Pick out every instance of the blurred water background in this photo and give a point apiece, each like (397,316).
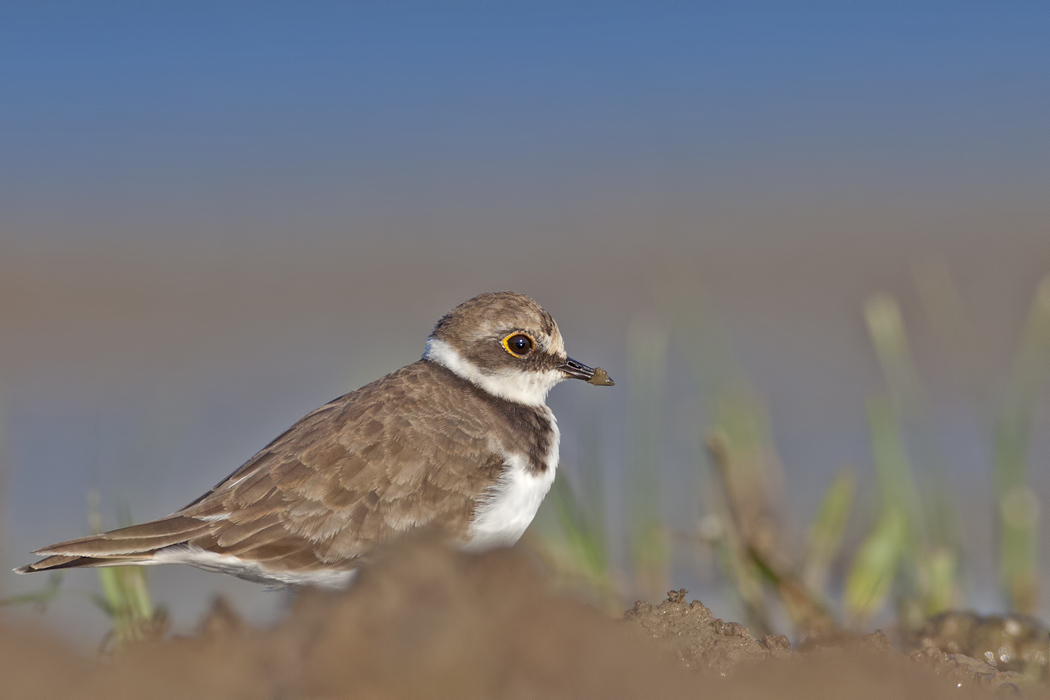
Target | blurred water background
(214,218)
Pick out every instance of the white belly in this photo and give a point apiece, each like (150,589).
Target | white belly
(506,511)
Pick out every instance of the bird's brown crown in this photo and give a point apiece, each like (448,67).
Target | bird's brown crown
(502,331)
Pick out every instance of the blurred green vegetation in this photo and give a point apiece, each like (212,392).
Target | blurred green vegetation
(909,556)
(125,597)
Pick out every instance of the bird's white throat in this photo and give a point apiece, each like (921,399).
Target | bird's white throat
(524,387)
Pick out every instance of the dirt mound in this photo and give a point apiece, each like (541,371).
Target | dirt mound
(699,639)
(427,623)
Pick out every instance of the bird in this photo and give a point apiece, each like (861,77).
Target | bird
(461,441)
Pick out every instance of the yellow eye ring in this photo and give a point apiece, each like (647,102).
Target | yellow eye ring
(519,344)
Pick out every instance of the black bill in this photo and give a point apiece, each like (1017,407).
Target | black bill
(592,375)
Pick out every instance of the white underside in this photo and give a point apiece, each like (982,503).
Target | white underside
(506,511)
(252,571)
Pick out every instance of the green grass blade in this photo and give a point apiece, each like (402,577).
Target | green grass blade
(874,568)
(941,585)
(1018,505)
(125,593)
(897,488)
(826,533)
(886,328)
(584,538)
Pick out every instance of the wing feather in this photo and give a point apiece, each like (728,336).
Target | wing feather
(412,449)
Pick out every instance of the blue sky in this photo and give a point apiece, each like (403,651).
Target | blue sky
(221,117)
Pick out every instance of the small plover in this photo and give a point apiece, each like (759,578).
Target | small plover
(461,441)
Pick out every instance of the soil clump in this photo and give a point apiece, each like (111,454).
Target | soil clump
(428,623)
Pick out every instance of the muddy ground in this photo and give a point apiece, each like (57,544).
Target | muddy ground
(431,624)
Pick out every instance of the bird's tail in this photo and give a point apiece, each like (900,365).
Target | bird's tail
(128,545)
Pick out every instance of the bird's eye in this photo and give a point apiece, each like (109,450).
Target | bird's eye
(518,344)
